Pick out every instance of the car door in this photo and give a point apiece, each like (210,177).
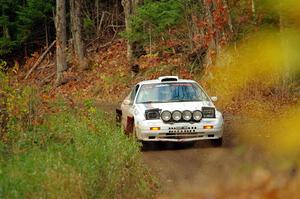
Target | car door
(127,107)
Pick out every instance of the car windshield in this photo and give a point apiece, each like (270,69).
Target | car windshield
(170,92)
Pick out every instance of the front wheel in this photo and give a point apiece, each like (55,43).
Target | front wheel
(217,142)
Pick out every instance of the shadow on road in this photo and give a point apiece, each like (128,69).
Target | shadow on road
(164,146)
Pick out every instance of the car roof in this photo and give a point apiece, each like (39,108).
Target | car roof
(156,81)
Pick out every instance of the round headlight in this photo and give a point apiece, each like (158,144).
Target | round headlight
(197,115)
(176,115)
(187,115)
(166,116)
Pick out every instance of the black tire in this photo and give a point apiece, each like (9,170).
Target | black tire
(118,117)
(145,146)
(217,142)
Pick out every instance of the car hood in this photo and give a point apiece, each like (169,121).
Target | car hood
(181,106)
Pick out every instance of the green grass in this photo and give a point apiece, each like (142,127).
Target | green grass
(75,153)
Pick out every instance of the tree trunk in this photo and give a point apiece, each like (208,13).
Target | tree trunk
(212,44)
(253,9)
(229,16)
(127,5)
(129,10)
(61,37)
(76,27)
(97,16)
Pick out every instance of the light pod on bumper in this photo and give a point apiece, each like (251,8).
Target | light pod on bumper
(176,116)
(197,115)
(187,115)
(166,116)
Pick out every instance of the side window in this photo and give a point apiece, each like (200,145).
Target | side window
(133,93)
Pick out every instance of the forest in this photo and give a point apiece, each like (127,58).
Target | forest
(66,65)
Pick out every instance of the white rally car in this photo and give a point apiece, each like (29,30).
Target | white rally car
(171,109)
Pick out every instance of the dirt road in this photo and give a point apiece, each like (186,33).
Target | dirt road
(184,169)
(187,169)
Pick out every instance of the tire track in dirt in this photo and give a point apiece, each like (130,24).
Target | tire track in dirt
(192,168)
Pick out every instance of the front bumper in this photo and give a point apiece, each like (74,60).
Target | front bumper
(179,132)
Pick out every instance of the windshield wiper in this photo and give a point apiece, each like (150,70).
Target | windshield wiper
(182,100)
(151,101)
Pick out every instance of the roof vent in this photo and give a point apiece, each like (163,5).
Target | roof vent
(168,79)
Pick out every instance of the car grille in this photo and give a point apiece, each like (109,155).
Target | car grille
(181,133)
(182,129)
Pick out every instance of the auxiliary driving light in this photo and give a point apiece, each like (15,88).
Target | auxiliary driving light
(197,115)
(176,115)
(166,116)
(187,115)
(154,128)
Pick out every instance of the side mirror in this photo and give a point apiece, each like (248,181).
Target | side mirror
(214,98)
(126,102)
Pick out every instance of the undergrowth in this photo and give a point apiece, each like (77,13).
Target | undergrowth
(73,153)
